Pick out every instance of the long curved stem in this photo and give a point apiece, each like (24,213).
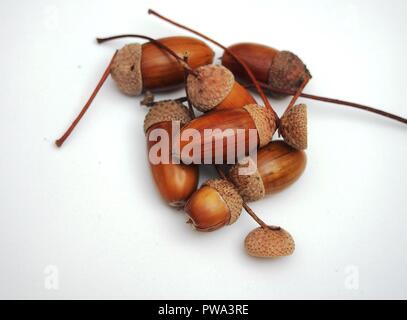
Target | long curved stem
(334,101)
(152,40)
(102,80)
(241,62)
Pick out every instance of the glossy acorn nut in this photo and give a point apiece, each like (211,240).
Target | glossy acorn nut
(140,67)
(280,69)
(228,121)
(214,205)
(175,182)
(278,166)
(214,88)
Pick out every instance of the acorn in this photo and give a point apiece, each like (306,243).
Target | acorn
(269,242)
(214,88)
(278,166)
(228,121)
(216,204)
(175,181)
(293,126)
(280,69)
(140,67)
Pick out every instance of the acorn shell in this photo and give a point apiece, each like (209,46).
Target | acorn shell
(230,195)
(269,243)
(250,186)
(167,110)
(264,121)
(210,87)
(126,69)
(293,126)
(287,71)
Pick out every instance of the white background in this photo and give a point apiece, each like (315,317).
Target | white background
(91,210)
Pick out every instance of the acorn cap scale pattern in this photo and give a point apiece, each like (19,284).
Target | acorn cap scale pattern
(126,69)
(293,127)
(168,110)
(287,71)
(269,243)
(264,121)
(250,186)
(210,87)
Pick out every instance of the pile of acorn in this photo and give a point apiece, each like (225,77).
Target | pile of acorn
(220,93)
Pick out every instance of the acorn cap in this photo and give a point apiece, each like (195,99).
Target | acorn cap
(269,243)
(251,186)
(287,71)
(229,194)
(293,126)
(167,110)
(126,69)
(264,120)
(210,87)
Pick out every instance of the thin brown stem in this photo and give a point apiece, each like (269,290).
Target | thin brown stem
(102,80)
(241,62)
(152,40)
(298,93)
(334,101)
(245,206)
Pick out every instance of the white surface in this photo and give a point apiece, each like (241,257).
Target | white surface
(91,209)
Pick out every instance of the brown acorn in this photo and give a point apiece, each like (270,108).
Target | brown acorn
(270,242)
(278,166)
(175,182)
(280,69)
(213,87)
(141,67)
(214,205)
(227,121)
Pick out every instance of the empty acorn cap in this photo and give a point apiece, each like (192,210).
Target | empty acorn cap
(264,121)
(287,71)
(269,243)
(210,87)
(230,195)
(293,126)
(126,69)
(249,186)
(167,110)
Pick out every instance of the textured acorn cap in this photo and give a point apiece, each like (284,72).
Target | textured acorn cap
(126,69)
(264,121)
(287,71)
(293,126)
(168,110)
(230,195)
(210,87)
(269,243)
(251,186)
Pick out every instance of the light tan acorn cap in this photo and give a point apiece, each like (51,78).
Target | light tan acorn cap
(168,110)
(210,87)
(269,243)
(251,186)
(287,71)
(264,121)
(293,126)
(126,69)
(230,195)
